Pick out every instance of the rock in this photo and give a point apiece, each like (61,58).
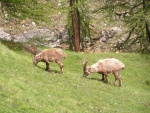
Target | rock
(43,37)
(35,33)
(4,35)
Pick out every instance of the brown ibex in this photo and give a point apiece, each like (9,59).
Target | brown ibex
(50,55)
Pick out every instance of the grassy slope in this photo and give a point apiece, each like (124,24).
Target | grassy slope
(28,89)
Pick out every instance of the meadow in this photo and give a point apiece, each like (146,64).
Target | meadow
(28,89)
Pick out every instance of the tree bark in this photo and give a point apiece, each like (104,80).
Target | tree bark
(147,31)
(146,24)
(75,26)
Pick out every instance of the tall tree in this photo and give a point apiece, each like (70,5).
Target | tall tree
(78,25)
(75,25)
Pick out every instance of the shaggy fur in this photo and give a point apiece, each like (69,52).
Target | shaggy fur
(105,67)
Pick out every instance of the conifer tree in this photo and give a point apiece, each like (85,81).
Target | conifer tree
(136,16)
(78,17)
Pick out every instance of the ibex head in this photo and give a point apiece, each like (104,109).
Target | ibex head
(86,69)
(36,58)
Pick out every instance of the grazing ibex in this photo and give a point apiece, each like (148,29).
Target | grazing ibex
(105,67)
(50,55)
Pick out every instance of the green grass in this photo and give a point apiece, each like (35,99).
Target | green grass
(28,89)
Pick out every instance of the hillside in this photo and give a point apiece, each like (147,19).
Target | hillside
(28,89)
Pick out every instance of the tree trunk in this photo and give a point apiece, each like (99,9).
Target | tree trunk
(147,31)
(146,24)
(75,26)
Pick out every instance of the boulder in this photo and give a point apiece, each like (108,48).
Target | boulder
(4,35)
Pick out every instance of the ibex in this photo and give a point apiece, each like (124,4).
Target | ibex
(105,67)
(50,55)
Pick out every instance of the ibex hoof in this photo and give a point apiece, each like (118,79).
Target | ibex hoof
(47,70)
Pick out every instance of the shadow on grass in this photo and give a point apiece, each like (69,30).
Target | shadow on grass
(15,46)
(98,79)
(102,81)
(51,71)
